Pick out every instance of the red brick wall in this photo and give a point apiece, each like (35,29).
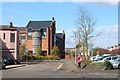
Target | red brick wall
(28,42)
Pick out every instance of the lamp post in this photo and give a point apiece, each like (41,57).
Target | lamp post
(75,53)
(75,50)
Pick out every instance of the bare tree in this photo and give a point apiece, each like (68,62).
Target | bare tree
(84,28)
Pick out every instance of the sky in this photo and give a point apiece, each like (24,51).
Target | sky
(20,13)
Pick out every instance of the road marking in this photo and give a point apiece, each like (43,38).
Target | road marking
(60,67)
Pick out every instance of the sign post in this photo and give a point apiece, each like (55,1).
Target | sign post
(26,55)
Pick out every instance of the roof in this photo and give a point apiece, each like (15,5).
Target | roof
(21,28)
(7,27)
(59,35)
(115,51)
(4,26)
(38,24)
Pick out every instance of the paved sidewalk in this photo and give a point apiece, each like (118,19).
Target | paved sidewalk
(69,65)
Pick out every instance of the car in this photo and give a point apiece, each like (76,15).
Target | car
(115,64)
(99,58)
(16,61)
(114,60)
(109,58)
(10,61)
(2,63)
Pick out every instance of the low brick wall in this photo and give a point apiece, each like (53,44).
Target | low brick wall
(68,57)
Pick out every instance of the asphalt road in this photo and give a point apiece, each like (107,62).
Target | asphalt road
(49,70)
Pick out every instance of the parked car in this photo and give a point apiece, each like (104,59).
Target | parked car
(99,58)
(116,64)
(10,61)
(16,61)
(108,58)
(2,63)
(114,60)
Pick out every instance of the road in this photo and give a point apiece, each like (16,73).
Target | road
(49,70)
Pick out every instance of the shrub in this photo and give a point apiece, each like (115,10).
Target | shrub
(83,57)
(37,56)
(52,57)
(73,52)
(42,57)
(103,65)
(39,50)
(33,58)
(22,49)
(47,57)
(67,52)
(55,50)
(55,57)
(108,65)
(26,57)
(86,62)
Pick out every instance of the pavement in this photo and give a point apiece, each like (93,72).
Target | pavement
(69,65)
(50,70)
(14,66)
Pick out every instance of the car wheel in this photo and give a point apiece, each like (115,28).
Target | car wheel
(119,66)
(15,62)
(3,67)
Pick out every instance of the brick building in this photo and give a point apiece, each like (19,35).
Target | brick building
(42,33)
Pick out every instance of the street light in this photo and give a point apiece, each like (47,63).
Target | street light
(75,51)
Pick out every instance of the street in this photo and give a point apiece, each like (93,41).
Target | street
(49,70)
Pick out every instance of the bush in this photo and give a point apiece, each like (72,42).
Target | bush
(47,57)
(67,52)
(108,65)
(55,57)
(103,65)
(37,56)
(51,57)
(25,57)
(42,57)
(55,50)
(73,52)
(86,62)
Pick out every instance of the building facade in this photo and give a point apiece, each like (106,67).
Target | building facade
(42,33)
(114,49)
(9,41)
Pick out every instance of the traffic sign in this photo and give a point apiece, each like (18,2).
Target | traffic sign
(26,51)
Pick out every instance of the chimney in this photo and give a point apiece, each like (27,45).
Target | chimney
(11,24)
(63,32)
(53,18)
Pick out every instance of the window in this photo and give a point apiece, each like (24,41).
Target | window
(4,36)
(114,58)
(108,58)
(29,34)
(55,40)
(12,37)
(23,38)
(43,33)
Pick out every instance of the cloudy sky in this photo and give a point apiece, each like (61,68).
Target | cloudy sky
(106,13)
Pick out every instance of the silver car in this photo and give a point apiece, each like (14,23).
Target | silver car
(115,64)
(114,60)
